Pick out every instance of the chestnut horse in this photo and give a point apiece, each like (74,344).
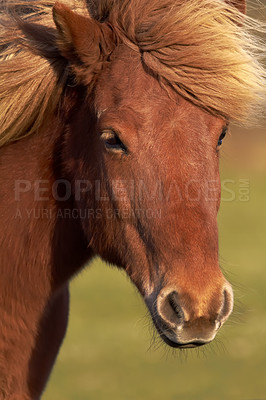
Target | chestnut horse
(112,116)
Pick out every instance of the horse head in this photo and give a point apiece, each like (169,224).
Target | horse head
(151,156)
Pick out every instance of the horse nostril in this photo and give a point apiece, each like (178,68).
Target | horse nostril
(173,301)
(170,309)
(227,305)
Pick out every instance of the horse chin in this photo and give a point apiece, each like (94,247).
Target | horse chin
(180,345)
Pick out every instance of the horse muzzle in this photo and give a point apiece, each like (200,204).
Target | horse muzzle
(183,322)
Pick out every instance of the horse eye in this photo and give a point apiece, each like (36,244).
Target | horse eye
(222,136)
(112,142)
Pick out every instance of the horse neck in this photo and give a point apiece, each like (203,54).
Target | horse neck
(38,240)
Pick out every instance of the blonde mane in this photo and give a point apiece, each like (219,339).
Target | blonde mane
(205,49)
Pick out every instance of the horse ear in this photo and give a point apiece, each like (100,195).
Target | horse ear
(239,4)
(86,43)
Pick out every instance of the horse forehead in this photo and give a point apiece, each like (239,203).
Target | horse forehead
(125,82)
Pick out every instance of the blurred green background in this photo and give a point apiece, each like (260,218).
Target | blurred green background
(111,351)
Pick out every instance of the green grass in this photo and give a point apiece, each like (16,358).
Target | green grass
(106,352)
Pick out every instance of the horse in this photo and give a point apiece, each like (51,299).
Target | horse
(113,113)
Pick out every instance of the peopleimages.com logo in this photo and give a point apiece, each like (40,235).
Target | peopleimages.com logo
(191,191)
